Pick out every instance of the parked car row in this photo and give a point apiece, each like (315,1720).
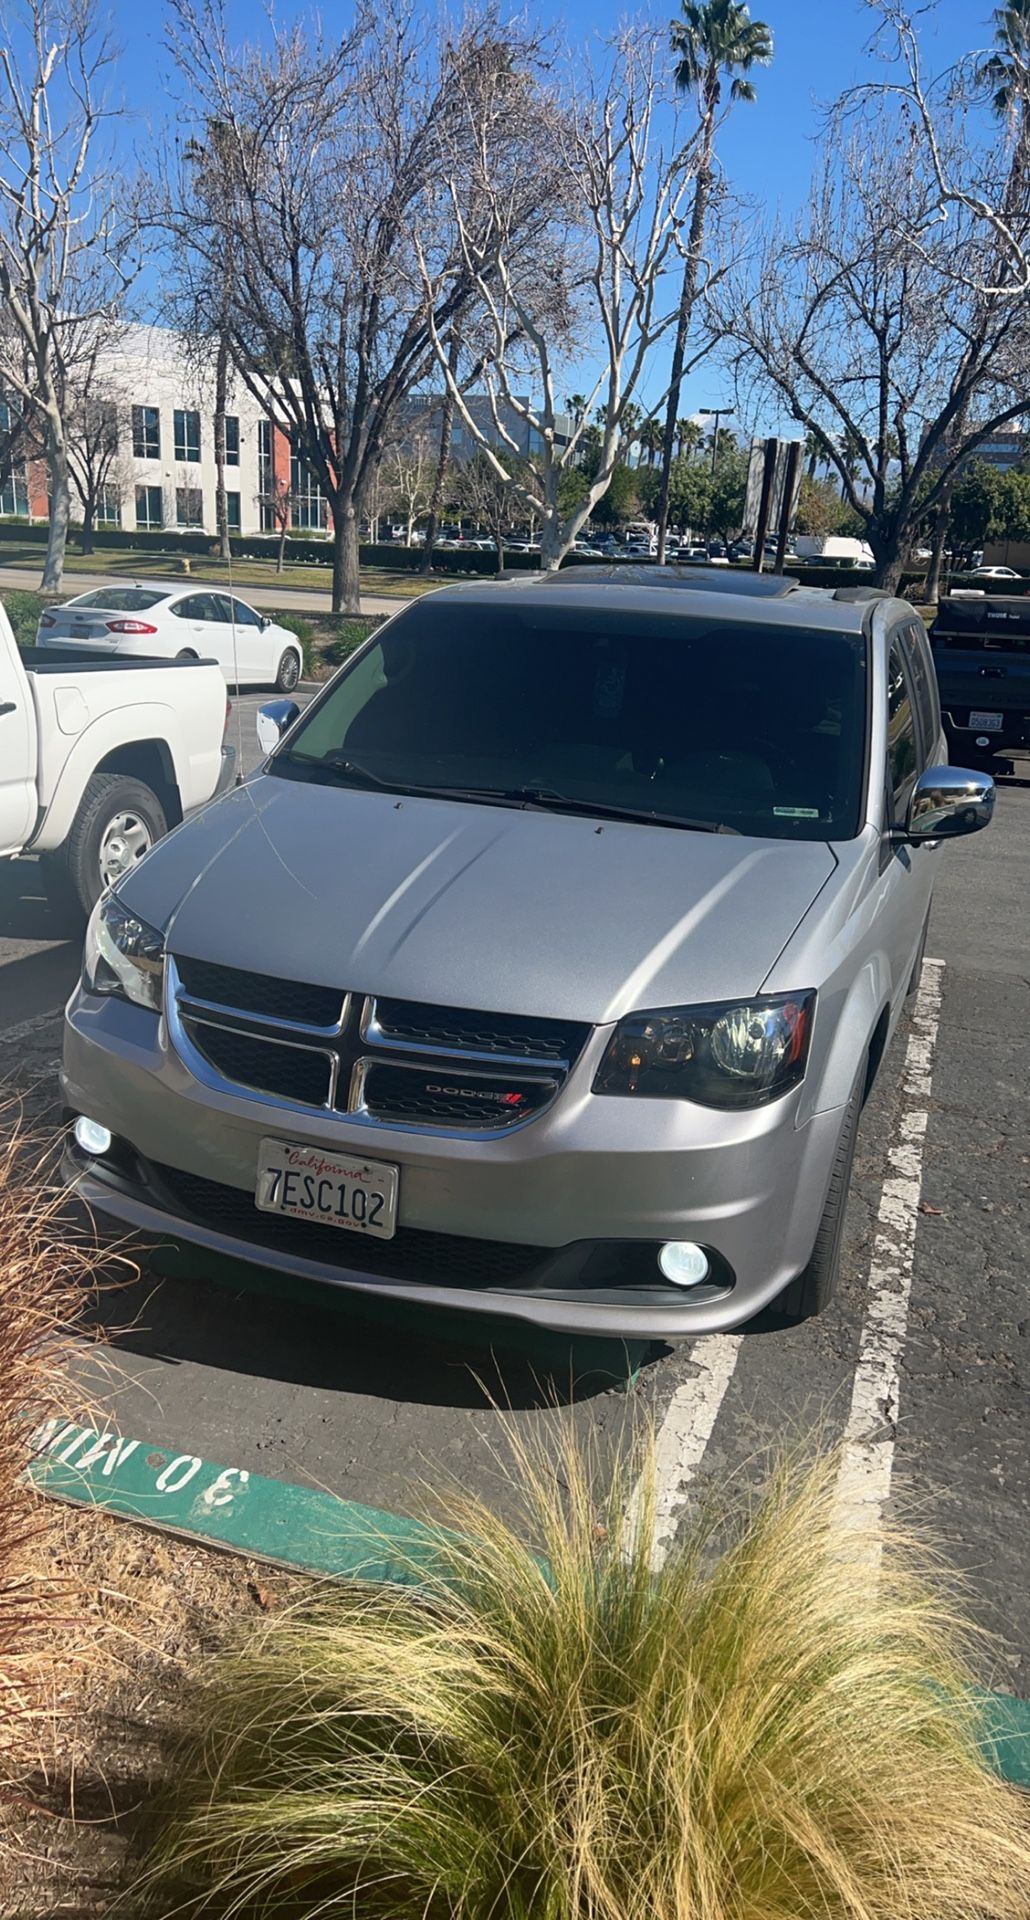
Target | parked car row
(543,968)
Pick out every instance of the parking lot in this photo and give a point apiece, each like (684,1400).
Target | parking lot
(923,1365)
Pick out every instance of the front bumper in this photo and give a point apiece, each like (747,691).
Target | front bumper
(556,1222)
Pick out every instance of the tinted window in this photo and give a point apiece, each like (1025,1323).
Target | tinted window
(924,685)
(119,599)
(245,616)
(902,755)
(196,606)
(758,728)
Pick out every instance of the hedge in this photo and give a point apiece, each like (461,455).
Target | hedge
(450,560)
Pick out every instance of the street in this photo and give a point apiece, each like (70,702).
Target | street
(317,1394)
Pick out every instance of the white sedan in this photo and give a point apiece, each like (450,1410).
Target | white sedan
(180,622)
(996,573)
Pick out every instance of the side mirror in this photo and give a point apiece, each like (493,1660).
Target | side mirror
(275,720)
(263,621)
(947,801)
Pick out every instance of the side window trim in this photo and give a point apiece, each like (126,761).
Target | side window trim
(920,678)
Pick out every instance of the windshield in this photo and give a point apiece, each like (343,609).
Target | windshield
(757,729)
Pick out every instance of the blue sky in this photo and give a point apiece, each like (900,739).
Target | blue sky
(767,149)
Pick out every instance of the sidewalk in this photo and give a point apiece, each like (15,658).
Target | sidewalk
(297,599)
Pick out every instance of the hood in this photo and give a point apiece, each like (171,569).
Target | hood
(480,906)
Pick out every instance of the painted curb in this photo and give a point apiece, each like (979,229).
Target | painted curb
(246,1513)
(312,1532)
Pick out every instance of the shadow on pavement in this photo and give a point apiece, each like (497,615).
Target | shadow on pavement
(244,1320)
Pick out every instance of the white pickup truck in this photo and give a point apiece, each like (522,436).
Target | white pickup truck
(99,758)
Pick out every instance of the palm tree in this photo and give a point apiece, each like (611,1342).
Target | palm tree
(576,404)
(688,438)
(651,438)
(714,39)
(1007,70)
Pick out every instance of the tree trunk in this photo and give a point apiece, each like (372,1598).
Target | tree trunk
(280,558)
(86,537)
(346,560)
(442,460)
(60,508)
(889,552)
(221,391)
(679,351)
(937,544)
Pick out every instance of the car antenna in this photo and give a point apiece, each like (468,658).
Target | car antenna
(235,664)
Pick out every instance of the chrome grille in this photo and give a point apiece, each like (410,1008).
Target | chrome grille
(382,1063)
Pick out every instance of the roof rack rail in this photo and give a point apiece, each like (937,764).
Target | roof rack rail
(853,595)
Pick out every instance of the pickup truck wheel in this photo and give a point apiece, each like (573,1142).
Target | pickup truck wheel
(815,1287)
(288,672)
(117,823)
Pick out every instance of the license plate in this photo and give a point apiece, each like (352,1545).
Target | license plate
(985,722)
(329,1189)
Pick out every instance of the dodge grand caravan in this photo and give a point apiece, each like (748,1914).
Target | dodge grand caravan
(542,969)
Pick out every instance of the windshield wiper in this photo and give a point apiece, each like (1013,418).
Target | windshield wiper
(550,798)
(340,767)
(349,772)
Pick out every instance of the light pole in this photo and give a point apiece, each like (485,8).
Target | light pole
(716,414)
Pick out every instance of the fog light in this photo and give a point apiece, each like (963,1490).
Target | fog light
(91,1137)
(685,1264)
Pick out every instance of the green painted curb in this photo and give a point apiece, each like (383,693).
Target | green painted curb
(294,1526)
(313,1532)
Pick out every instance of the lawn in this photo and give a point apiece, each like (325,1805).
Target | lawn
(245,573)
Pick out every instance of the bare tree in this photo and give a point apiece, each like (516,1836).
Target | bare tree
(277,502)
(408,472)
(63,242)
(323,172)
(969,180)
(860,326)
(491,497)
(617,210)
(94,431)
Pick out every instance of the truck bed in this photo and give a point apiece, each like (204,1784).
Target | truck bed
(57,659)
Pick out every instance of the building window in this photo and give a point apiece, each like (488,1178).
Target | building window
(149,512)
(109,505)
(232,440)
(146,433)
(189,507)
(232,511)
(308,506)
(14,498)
(265,470)
(187,435)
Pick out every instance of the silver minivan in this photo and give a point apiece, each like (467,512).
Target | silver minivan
(542,969)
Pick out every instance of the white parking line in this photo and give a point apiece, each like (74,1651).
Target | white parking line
(864,1484)
(683,1436)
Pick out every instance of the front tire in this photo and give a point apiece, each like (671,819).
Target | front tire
(288,672)
(815,1287)
(118,821)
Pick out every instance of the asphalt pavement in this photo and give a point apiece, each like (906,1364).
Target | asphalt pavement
(935,1418)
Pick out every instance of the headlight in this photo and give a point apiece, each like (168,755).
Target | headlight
(123,955)
(737,1054)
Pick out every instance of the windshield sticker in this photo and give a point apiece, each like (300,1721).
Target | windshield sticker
(796,813)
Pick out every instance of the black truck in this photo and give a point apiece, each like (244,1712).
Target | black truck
(981,649)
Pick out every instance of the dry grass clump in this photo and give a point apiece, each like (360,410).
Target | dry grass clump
(547,1729)
(48,1272)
